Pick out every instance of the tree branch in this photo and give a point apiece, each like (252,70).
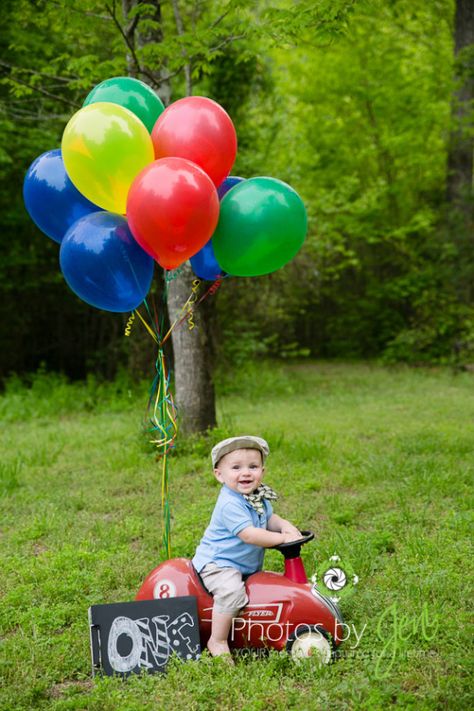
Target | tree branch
(80,12)
(232,38)
(66,80)
(180,30)
(20,115)
(126,35)
(220,18)
(39,90)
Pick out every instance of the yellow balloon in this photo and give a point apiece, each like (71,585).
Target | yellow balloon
(104,147)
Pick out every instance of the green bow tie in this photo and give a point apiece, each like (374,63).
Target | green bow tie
(256,498)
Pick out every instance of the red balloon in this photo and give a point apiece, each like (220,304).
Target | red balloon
(200,130)
(172,210)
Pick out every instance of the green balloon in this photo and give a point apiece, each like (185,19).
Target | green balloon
(132,94)
(262,225)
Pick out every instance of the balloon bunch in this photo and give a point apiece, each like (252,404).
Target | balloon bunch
(134,182)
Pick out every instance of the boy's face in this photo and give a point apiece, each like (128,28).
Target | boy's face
(241,470)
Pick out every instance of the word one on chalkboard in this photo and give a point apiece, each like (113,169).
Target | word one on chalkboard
(131,637)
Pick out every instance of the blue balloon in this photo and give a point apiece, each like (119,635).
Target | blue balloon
(104,265)
(52,201)
(204,262)
(228,184)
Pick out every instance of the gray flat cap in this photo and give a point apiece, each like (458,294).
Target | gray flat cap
(244,442)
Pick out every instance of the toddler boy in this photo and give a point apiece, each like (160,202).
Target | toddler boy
(241,526)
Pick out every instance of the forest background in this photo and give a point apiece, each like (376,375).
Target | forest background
(359,105)
(365,108)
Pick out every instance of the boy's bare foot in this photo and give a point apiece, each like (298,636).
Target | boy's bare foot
(218,648)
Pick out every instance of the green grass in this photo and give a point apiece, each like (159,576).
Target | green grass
(377,462)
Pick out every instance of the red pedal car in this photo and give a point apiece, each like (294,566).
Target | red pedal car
(284,610)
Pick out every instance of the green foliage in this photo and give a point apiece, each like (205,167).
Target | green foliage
(9,472)
(359,127)
(46,394)
(349,102)
(426,340)
(376,461)
(310,21)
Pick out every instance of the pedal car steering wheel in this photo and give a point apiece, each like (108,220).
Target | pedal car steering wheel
(292,548)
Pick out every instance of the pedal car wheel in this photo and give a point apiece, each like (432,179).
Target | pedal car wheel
(310,642)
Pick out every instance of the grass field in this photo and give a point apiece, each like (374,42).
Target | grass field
(378,462)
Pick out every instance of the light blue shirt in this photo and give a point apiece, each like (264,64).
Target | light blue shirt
(221,544)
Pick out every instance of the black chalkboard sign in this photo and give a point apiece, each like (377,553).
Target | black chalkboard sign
(131,637)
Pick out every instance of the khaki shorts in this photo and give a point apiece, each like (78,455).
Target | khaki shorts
(227,588)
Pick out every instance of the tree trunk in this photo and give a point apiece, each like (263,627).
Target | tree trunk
(193,359)
(460,157)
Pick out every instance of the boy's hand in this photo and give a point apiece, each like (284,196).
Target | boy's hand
(288,529)
(291,537)
(284,527)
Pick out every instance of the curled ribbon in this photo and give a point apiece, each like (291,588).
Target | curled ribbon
(192,300)
(185,311)
(128,327)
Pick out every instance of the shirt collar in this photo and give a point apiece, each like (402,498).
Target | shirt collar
(227,491)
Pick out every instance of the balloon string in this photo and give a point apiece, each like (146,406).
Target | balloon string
(161,415)
(166,508)
(162,423)
(152,333)
(185,313)
(186,309)
(163,418)
(191,305)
